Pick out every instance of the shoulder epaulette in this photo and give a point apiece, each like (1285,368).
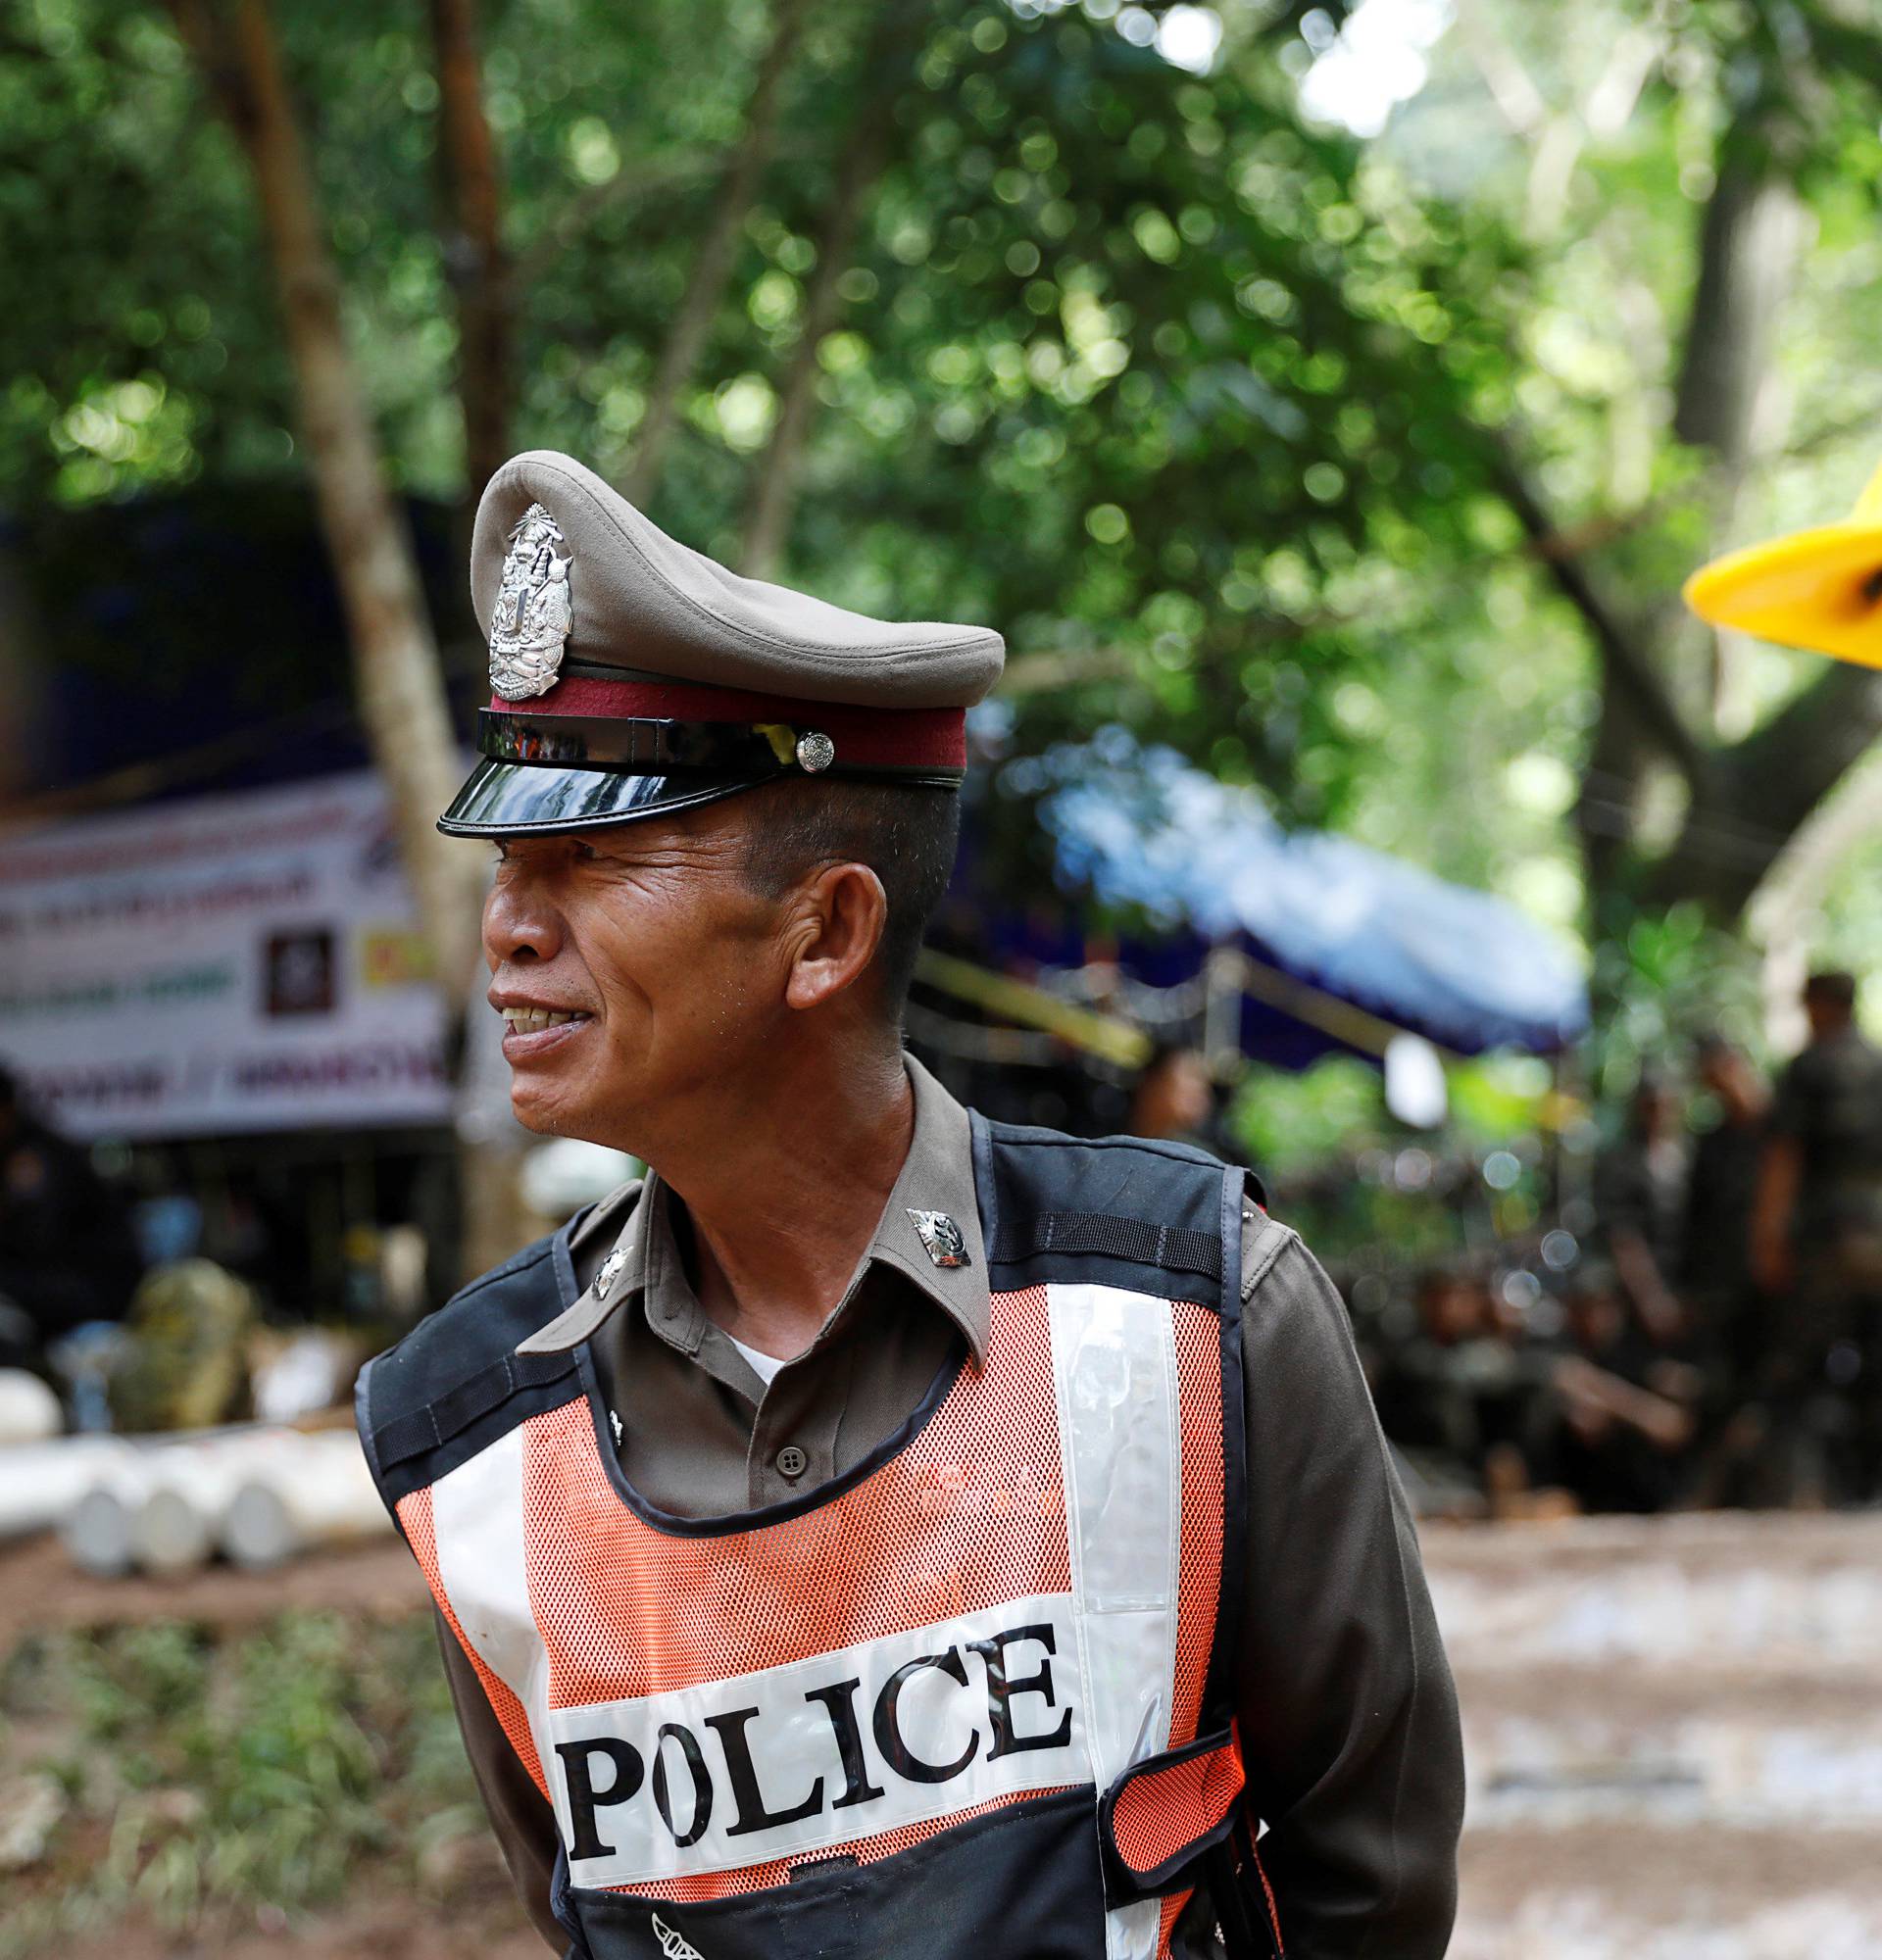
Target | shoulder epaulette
(1112,1210)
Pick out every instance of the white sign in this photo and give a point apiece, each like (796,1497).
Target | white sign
(229,965)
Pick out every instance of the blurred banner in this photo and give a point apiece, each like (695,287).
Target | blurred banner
(231,964)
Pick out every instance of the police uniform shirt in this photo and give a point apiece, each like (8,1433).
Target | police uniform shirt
(1348,1717)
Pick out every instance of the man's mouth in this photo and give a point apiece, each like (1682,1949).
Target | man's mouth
(532,1020)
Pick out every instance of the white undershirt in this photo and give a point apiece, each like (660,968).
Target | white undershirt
(763,1366)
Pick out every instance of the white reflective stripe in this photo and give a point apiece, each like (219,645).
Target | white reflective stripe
(1113,1363)
(476,1522)
(1130,1931)
(904,1729)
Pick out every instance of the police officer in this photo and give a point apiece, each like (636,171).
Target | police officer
(880,1530)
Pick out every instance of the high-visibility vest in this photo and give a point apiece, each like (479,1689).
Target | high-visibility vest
(972,1699)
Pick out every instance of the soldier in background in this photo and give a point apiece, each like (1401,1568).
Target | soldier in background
(1715,1258)
(1640,1190)
(1817,1246)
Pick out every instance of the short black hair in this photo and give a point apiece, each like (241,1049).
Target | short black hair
(1833,987)
(907,834)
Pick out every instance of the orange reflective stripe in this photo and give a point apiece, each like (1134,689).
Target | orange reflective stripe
(1172,1911)
(1199,1373)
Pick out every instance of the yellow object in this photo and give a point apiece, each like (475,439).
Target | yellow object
(1821,589)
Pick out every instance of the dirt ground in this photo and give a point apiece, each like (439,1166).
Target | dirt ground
(1674,1729)
(1674,1732)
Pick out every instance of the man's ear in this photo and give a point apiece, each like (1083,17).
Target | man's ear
(844,915)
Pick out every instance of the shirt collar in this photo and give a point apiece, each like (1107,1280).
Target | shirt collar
(936,1181)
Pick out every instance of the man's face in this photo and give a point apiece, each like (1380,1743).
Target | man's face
(670,968)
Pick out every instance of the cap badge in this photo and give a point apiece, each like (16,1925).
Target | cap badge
(816,751)
(941,1236)
(530,627)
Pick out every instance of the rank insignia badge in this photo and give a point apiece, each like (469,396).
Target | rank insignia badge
(941,1236)
(529,626)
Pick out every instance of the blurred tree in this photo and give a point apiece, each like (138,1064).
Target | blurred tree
(712,267)
(472,231)
(1363,469)
(398,682)
(395,659)
(1698,187)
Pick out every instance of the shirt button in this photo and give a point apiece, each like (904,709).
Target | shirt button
(792,1462)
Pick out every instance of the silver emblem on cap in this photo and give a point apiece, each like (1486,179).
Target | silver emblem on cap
(941,1236)
(610,1272)
(816,751)
(529,626)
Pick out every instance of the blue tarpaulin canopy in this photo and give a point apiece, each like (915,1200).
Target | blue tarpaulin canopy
(1466,970)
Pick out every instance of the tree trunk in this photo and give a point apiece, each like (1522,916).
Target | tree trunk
(713,268)
(473,255)
(1747,796)
(398,680)
(767,522)
(1749,240)
(885,68)
(395,661)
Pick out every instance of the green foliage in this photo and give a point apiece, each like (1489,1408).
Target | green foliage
(1668,978)
(1184,391)
(221,1775)
(1289,1123)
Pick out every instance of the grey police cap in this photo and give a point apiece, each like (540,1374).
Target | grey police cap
(631,674)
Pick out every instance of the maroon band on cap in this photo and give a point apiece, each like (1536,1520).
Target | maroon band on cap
(886,738)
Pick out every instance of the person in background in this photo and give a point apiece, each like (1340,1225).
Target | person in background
(1463,1399)
(1721,1193)
(1427,1390)
(1626,1411)
(1816,1245)
(1174,1099)
(66,1252)
(1640,1189)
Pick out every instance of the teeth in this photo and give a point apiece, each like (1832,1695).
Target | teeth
(528,1020)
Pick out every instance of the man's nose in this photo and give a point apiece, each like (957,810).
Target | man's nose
(517,924)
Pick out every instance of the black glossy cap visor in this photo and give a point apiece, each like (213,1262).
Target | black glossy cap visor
(515,798)
(550,772)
